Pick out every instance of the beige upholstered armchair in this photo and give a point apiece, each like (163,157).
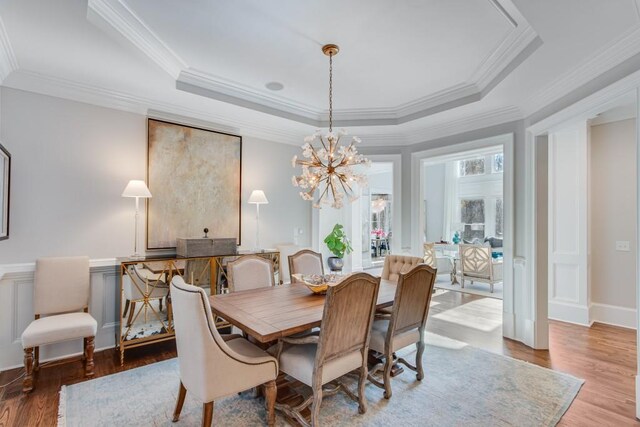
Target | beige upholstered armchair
(305,262)
(213,366)
(441,263)
(405,325)
(61,305)
(340,347)
(476,264)
(396,264)
(250,272)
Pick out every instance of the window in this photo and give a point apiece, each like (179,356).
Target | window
(471,167)
(499,218)
(472,217)
(498,163)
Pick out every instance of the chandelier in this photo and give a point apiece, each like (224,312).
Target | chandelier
(329,167)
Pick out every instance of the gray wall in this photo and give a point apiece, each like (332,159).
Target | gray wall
(71,161)
(434,176)
(613,213)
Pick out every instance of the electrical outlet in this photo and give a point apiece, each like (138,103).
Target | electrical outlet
(622,246)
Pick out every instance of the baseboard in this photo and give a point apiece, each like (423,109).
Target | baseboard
(613,315)
(569,313)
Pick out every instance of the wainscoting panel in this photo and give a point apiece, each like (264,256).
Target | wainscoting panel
(16,312)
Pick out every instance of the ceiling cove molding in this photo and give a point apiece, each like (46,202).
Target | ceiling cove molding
(67,89)
(8,61)
(466,124)
(115,14)
(616,52)
(519,43)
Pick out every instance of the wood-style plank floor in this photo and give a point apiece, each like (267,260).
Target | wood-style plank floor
(602,355)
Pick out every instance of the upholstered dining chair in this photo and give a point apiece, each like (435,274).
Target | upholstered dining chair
(305,261)
(477,264)
(250,272)
(396,264)
(441,263)
(211,365)
(405,325)
(341,346)
(61,295)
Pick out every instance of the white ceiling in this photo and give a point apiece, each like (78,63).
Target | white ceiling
(407,71)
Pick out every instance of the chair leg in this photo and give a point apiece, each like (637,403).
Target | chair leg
(388,364)
(126,308)
(182,393)
(207,414)
(132,309)
(27,383)
(36,362)
(362,402)
(462,282)
(419,353)
(491,287)
(88,352)
(270,392)
(315,406)
(160,304)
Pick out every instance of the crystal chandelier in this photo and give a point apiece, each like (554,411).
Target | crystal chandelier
(328,168)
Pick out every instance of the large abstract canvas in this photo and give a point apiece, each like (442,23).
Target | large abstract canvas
(194,178)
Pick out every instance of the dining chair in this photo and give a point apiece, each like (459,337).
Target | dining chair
(250,272)
(305,261)
(405,325)
(477,264)
(441,263)
(341,346)
(61,295)
(213,366)
(396,264)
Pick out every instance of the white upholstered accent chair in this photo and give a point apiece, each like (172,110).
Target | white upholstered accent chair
(61,305)
(396,264)
(405,325)
(250,272)
(441,263)
(477,264)
(340,347)
(305,262)
(214,366)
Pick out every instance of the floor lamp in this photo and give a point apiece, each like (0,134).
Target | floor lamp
(258,198)
(138,189)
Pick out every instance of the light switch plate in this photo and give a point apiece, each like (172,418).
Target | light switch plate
(623,246)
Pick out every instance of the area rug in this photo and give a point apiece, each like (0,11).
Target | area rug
(477,288)
(463,386)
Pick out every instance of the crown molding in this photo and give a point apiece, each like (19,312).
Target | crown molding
(466,124)
(518,44)
(118,16)
(611,55)
(8,61)
(62,88)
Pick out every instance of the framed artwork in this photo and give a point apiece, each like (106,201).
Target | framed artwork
(5,186)
(194,176)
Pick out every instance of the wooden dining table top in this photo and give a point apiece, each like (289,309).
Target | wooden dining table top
(280,311)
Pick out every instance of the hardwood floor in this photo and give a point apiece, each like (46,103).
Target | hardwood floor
(604,356)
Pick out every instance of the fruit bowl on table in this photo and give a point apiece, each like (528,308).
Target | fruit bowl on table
(318,283)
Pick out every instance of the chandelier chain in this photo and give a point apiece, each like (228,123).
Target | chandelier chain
(330,92)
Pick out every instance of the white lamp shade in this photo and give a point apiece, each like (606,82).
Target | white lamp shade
(257,197)
(136,188)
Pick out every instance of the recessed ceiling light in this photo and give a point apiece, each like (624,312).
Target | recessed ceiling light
(274,86)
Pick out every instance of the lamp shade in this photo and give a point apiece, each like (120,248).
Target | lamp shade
(257,197)
(136,188)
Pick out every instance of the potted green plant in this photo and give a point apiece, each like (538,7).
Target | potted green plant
(338,244)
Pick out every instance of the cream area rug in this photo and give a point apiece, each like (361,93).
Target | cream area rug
(463,386)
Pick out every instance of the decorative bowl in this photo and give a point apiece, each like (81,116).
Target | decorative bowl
(318,284)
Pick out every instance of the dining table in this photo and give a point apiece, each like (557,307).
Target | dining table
(274,312)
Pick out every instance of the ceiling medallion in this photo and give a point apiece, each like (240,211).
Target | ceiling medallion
(329,168)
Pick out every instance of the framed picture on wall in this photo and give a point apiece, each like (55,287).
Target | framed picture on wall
(5,185)
(194,176)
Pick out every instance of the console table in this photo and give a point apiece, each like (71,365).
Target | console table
(145,301)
